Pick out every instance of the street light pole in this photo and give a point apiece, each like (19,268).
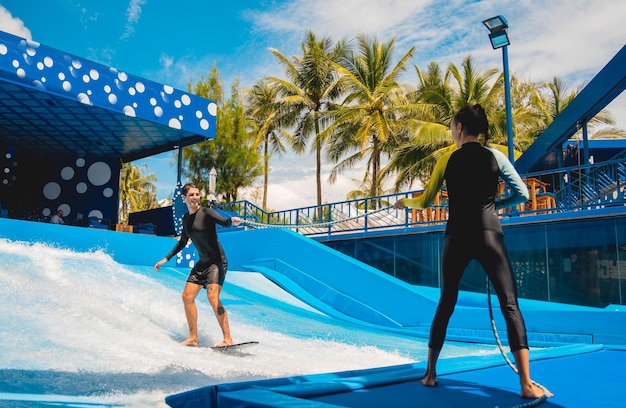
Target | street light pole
(507,100)
(498,35)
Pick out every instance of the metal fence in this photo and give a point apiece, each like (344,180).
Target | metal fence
(576,188)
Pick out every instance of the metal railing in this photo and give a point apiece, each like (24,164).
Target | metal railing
(575,188)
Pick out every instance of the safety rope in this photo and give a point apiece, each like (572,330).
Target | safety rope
(315,225)
(529,404)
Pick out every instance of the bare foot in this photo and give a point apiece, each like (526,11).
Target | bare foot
(534,391)
(429,382)
(223,344)
(190,343)
(430,378)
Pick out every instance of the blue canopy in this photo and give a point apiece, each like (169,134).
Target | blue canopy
(54,102)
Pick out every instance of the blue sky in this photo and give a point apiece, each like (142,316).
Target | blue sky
(175,42)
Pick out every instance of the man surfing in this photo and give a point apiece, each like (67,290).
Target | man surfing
(199,225)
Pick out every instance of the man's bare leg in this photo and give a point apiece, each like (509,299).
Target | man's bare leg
(213,294)
(191,312)
(529,390)
(430,377)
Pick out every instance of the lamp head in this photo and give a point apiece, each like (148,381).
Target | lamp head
(499,39)
(498,34)
(496,23)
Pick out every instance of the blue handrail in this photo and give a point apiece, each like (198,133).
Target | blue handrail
(574,188)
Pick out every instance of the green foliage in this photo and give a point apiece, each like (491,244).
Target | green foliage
(137,192)
(233,152)
(266,118)
(310,88)
(376,114)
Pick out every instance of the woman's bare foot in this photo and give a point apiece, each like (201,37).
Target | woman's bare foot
(533,391)
(190,343)
(430,378)
(429,382)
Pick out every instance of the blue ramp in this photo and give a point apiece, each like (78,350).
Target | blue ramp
(350,290)
(328,279)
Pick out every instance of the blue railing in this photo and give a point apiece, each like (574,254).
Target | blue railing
(576,188)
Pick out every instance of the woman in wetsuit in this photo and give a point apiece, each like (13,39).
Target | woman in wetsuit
(210,270)
(473,231)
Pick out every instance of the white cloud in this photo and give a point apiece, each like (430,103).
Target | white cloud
(166,62)
(86,18)
(339,19)
(300,191)
(132,17)
(13,25)
(575,46)
(571,38)
(104,56)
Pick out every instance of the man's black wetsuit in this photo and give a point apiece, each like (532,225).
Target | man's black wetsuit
(200,227)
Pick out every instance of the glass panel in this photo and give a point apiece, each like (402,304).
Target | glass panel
(620,274)
(527,250)
(582,253)
(377,252)
(579,262)
(418,258)
(345,247)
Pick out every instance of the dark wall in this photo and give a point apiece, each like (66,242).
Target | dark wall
(161,218)
(33,188)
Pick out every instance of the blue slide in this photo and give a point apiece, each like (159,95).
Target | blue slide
(343,287)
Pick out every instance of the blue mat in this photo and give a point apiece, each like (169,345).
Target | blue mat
(579,376)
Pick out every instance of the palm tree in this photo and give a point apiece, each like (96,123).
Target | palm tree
(472,85)
(262,112)
(435,89)
(310,87)
(376,116)
(137,192)
(549,99)
(413,158)
(364,191)
(447,93)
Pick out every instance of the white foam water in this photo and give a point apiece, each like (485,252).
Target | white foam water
(78,328)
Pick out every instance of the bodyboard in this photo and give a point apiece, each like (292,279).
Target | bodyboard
(235,346)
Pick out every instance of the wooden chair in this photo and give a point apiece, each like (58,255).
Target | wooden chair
(438,211)
(424,215)
(546,203)
(502,191)
(541,201)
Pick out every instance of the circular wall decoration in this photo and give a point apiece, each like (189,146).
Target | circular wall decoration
(81,188)
(99,173)
(52,190)
(67,173)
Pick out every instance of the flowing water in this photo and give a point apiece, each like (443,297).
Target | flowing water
(79,329)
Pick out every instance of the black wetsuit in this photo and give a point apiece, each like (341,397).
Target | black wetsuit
(473,231)
(200,227)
